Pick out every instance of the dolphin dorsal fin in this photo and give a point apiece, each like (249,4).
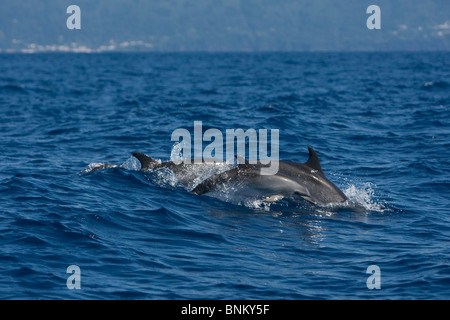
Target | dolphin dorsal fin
(146,161)
(313,160)
(241,160)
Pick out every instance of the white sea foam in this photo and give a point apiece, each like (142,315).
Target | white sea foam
(165,178)
(364,195)
(197,172)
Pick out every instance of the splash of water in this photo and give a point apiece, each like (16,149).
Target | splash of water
(197,172)
(176,154)
(131,163)
(163,177)
(364,196)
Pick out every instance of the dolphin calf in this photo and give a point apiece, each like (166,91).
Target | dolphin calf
(188,174)
(306,180)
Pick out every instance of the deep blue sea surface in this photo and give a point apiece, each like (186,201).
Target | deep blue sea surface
(380,123)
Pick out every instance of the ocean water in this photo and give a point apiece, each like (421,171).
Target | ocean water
(380,123)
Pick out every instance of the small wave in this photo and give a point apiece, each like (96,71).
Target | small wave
(429,85)
(11,88)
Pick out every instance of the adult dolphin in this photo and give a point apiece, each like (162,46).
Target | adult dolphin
(304,179)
